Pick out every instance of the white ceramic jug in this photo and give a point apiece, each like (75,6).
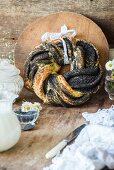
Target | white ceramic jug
(10,78)
(10,129)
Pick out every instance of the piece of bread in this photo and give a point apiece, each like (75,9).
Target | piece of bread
(84,74)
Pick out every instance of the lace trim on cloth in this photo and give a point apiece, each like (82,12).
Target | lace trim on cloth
(103,117)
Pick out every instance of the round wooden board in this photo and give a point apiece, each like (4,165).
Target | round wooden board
(86,29)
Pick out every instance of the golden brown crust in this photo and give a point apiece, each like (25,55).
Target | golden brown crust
(41,76)
(28,84)
(64,84)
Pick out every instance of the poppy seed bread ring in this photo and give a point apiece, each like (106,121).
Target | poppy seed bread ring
(74,87)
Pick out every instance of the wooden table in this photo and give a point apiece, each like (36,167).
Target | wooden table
(53,125)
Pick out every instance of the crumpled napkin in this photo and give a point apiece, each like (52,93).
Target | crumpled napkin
(93,149)
(97,138)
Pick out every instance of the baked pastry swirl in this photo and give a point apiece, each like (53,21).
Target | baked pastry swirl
(71,88)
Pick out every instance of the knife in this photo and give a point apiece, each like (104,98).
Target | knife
(53,152)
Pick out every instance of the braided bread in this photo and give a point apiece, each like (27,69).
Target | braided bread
(71,88)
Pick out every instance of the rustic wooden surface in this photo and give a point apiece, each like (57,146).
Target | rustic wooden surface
(16,14)
(86,29)
(53,125)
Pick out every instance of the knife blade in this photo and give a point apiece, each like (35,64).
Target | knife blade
(53,152)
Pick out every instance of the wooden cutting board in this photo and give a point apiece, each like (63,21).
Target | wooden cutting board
(86,29)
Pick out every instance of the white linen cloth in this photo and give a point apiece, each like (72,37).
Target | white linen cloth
(93,149)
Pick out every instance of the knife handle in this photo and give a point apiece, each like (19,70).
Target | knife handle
(53,152)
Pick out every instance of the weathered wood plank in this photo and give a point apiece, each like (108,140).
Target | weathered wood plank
(16,14)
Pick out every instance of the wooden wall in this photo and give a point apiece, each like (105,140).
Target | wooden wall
(16,14)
